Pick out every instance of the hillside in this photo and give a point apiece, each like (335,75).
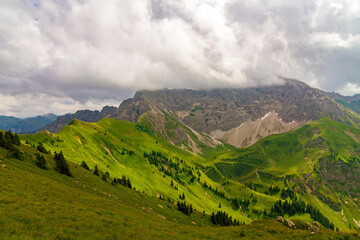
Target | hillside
(26,125)
(354,105)
(296,162)
(41,203)
(351,102)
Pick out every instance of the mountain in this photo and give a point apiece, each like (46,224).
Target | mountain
(354,105)
(239,117)
(26,125)
(84,115)
(351,102)
(347,99)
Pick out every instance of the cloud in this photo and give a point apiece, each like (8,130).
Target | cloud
(78,52)
(25,105)
(351,89)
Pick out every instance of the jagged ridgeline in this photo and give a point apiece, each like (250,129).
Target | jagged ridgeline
(203,158)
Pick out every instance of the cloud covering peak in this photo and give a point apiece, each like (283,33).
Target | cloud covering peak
(88,53)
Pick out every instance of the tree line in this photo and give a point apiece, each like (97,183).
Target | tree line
(11,142)
(185,208)
(223,219)
(272,190)
(300,207)
(105,176)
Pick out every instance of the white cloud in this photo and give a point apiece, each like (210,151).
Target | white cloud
(350,89)
(100,51)
(334,40)
(25,105)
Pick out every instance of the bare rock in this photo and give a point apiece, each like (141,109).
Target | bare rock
(290,224)
(280,219)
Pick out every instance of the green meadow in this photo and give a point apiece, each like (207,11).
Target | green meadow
(40,203)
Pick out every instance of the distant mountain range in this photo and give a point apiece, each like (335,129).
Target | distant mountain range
(351,102)
(83,115)
(26,125)
(348,99)
(238,116)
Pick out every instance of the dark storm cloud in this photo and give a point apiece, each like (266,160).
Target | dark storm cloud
(88,53)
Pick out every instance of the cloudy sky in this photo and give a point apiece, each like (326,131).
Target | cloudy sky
(62,55)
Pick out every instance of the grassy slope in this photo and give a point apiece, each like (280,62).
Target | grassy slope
(295,152)
(102,143)
(354,106)
(290,153)
(42,204)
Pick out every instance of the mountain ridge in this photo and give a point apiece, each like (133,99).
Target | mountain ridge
(226,110)
(84,115)
(26,125)
(226,114)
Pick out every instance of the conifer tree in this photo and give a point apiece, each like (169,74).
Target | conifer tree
(40,161)
(41,148)
(96,170)
(1,139)
(61,164)
(84,165)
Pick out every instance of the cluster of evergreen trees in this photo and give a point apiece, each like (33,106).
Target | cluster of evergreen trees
(272,190)
(40,161)
(185,208)
(126,151)
(61,165)
(237,203)
(160,161)
(299,207)
(289,208)
(168,166)
(252,186)
(156,158)
(123,181)
(42,149)
(182,197)
(223,219)
(11,142)
(84,165)
(105,176)
(316,215)
(8,140)
(215,190)
(288,193)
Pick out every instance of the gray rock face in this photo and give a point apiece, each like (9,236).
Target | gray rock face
(224,109)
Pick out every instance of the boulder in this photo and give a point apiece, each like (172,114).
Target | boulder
(290,224)
(280,219)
